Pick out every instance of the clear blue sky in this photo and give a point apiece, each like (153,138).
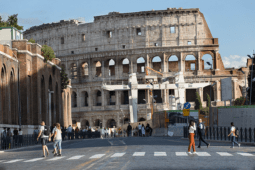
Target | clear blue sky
(232,21)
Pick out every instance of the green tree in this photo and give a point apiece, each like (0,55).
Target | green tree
(239,101)
(64,79)
(208,100)
(47,53)
(12,21)
(31,40)
(198,101)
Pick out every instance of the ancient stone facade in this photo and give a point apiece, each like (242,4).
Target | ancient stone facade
(118,44)
(30,87)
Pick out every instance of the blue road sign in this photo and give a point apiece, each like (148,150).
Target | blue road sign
(187,105)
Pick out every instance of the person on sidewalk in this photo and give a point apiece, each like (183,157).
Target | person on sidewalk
(4,139)
(129,129)
(139,130)
(192,128)
(57,140)
(44,133)
(16,136)
(233,135)
(20,137)
(52,135)
(69,130)
(201,132)
(147,129)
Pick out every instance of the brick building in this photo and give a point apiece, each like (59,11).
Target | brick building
(31,88)
(101,56)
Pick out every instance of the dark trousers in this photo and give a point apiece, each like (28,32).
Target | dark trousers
(140,132)
(201,139)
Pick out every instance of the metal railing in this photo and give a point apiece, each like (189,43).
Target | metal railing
(18,141)
(221,134)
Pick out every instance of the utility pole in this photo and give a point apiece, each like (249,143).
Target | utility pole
(251,74)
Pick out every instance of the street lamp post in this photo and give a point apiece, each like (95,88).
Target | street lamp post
(251,74)
(210,92)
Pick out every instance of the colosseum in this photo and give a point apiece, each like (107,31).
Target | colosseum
(107,61)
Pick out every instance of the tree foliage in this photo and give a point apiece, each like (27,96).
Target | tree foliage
(12,21)
(198,101)
(48,53)
(239,101)
(64,79)
(31,40)
(208,100)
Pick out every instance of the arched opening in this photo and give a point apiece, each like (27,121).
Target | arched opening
(12,93)
(74,99)
(124,97)
(141,97)
(156,63)
(126,120)
(111,67)
(141,119)
(173,64)
(73,71)
(97,122)
(98,97)
(57,103)
(140,65)
(43,100)
(125,64)
(84,124)
(84,69)
(111,98)
(98,69)
(3,99)
(157,96)
(206,61)
(190,63)
(111,123)
(52,114)
(206,94)
(84,99)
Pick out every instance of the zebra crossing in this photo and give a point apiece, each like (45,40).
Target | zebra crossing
(135,154)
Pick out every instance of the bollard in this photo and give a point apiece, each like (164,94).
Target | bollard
(237,136)
(225,133)
(245,134)
(214,133)
(207,131)
(220,133)
(241,132)
(217,133)
(250,134)
(228,133)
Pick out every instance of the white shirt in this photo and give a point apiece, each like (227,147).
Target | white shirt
(20,132)
(58,136)
(53,130)
(139,127)
(42,134)
(192,128)
(201,126)
(232,129)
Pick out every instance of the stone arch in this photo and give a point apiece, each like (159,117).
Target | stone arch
(98,68)
(97,98)
(190,63)
(73,71)
(84,99)
(207,58)
(126,120)
(140,65)
(74,99)
(111,65)
(12,94)
(43,100)
(97,122)
(156,63)
(125,64)
(206,90)
(141,119)
(84,124)
(84,69)
(111,123)
(173,65)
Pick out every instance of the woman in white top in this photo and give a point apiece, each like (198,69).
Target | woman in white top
(233,135)
(192,128)
(57,140)
(143,130)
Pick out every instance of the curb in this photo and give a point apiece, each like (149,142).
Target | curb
(221,141)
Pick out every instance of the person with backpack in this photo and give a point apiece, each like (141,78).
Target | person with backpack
(57,140)
(201,132)
(129,129)
(233,135)
(9,135)
(192,128)
(44,133)
(147,129)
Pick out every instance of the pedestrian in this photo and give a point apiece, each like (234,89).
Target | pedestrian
(57,140)
(129,129)
(52,135)
(105,132)
(233,135)
(44,133)
(16,135)
(143,130)
(201,132)
(76,133)
(192,128)
(20,137)
(4,136)
(140,129)
(69,131)
(8,139)
(147,129)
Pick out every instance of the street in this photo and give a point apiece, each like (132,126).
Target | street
(131,153)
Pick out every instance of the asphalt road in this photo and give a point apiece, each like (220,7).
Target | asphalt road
(132,153)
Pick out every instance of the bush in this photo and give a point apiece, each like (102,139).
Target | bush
(239,101)
(47,53)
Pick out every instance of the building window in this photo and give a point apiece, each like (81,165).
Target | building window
(172,29)
(72,52)
(138,31)
(109,34)
(189,42)
(155,44)
(62,40)
(96,49)
(83,37)
(45,42)
(123,46)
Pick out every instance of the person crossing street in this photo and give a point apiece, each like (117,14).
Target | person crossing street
(44,133)
(201,132)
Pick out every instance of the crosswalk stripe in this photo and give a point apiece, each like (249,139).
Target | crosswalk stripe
(245,154)
(159,153)
(33,160)
(181,154)
(203,154)
(56,158)
(15,160)
(97,156)
(117,155)
(224,154)
(139,154)
(75,157)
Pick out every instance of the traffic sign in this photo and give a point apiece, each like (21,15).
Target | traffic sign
(185,112)
(187,105)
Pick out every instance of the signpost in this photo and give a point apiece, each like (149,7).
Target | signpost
(186,110)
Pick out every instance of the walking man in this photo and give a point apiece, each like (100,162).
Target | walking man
(129,129)
(44,133)
(140,129)
(233,135)
(201,132)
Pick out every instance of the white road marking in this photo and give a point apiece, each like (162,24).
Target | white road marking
(224,154)
(110,142)
(75,157)
(203,154)
(159,153)
(56,158)
(245,154)
(97,156)
(139,154)
(181,154)
(15,160)
(122,142)
(117,155)
(33,160)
